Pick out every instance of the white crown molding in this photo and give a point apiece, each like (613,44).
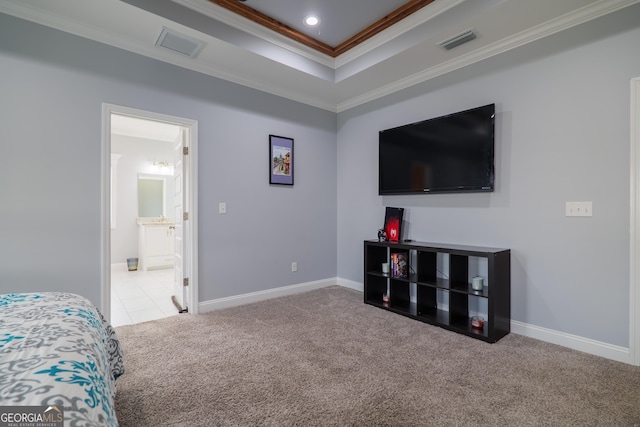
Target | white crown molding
(592,11)
(28,13)
(410,22)
(219,13)
(222,14)
(587,13)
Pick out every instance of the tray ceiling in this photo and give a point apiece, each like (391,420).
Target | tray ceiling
(342,24)
(239,49)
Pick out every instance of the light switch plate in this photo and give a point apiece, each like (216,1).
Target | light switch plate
(222,208)
(579,209)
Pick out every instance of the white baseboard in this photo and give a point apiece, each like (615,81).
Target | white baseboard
(346,283)
(252,297)
(575,342)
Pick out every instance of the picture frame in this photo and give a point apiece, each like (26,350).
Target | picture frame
(280,160)
(393,224)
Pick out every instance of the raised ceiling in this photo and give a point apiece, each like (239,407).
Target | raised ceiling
(342,24)
(240,50)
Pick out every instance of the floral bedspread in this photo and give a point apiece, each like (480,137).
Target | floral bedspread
(57,349)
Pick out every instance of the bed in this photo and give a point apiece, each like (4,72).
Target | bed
(56,349)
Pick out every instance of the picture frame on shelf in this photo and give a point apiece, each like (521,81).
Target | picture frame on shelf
(280,160)
(400,265)
(393,224)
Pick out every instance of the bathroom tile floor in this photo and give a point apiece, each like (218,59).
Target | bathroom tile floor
(140,296)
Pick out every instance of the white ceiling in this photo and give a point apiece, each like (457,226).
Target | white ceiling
(142,128)
(240,51)
(339,19)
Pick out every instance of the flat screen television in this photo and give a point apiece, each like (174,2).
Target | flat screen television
(448,154)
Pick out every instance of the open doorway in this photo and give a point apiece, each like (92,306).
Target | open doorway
(149,215)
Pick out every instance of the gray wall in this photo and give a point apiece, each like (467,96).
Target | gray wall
(52,88)
(562,134)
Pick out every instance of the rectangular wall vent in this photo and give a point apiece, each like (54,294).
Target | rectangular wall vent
(179,43)
(456,41)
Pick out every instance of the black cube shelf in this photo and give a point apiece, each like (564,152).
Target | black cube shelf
(437,287)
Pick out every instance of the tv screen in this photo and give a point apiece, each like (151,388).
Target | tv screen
(452,153)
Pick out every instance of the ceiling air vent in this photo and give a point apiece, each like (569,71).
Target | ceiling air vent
(179,43)
(456,41)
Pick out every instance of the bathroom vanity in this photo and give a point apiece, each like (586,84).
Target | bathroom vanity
(155,243)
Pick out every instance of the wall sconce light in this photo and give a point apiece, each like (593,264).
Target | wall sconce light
(162,164)
(162,167)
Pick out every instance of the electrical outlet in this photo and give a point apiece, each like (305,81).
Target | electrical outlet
(222,208)
(579,209)
(294,266)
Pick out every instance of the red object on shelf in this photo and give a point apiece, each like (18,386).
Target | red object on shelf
(477,322)
(393,223)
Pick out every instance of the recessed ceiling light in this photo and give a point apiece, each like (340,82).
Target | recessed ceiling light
(311,20)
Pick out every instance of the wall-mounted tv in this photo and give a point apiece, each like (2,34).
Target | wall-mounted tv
(452,153)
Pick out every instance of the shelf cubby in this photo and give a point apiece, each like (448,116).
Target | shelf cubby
(376,289)
(399,293)
(428,263)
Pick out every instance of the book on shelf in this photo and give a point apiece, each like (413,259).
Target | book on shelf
(399,264)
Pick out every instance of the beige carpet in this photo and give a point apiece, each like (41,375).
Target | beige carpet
(324,358)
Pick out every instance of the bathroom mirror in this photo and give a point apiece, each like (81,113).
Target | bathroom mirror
(152,191)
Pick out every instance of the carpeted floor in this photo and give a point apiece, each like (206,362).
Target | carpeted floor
(324,358)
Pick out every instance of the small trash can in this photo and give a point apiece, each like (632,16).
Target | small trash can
(132,264)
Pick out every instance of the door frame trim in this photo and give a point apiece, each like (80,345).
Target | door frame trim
(192,208)
(634,276)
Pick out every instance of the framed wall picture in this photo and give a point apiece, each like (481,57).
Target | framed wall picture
(280,160)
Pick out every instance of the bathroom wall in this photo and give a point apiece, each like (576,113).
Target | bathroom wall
(137,157)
